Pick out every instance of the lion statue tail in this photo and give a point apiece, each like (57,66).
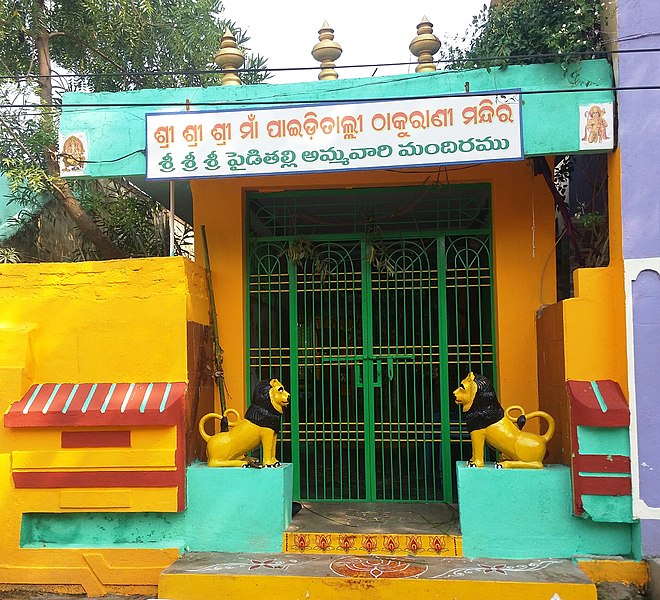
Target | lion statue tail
(205,418)
(547,436)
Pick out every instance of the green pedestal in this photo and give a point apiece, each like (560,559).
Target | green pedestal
(527,513)
(237,510)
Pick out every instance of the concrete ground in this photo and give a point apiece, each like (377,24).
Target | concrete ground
(619,591)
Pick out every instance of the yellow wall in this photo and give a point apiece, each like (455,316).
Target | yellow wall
(583,338)
(114,321)
(111,321)
(523,222)
(594,319)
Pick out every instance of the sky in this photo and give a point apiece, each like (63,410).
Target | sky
(369,32)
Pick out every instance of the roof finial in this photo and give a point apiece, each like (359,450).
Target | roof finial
(326,52)
(424,46)
(229,58)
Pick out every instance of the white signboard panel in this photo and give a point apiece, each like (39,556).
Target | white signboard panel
(334,137)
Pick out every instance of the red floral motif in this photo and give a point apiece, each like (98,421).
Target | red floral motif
(269,563)
(324,541)
(391,543)
(346,541)
(494,569)
(413,543)
(301,542)
(369,542)
(375,568)
(438,544)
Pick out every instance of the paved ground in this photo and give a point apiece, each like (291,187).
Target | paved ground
(368,517)
(618,591)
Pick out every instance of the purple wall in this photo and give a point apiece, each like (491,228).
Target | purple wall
(639,127)
(639,142)
(646,328)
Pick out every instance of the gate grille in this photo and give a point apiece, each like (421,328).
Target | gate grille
(372,326)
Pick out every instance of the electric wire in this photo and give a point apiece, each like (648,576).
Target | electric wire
(476,59)
(317,102)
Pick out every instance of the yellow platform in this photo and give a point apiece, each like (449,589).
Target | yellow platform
(365,551)
(396,529)
(200,576)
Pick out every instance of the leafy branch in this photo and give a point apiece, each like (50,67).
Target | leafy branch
(535,30)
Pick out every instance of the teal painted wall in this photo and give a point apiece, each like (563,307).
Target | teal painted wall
(229,510)
(10,210)
(608,509)
(610,441)
(116,132)
(527,513)
(7,211)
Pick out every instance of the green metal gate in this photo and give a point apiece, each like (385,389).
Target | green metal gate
(372,314)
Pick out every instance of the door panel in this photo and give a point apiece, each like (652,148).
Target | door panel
(408,356)
(331,407)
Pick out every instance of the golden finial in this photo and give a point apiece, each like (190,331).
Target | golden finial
(424,46)
(229,58)
(327,51)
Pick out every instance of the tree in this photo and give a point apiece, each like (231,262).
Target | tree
(531,31)
(538,31)
(51,46)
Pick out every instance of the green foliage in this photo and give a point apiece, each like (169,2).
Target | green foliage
(531,29)
(9,255)
(141,36)
(98,45)
(104,37)
(136,224)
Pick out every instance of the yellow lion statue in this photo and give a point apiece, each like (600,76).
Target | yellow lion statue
(260,425)
(488,423)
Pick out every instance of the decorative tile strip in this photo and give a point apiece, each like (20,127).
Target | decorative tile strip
(395,544)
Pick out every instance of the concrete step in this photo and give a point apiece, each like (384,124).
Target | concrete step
(393,529)
(237,576)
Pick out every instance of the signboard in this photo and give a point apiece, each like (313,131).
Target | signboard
(334,137)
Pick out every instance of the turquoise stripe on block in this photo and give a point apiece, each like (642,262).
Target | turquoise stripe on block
(31,400)
(588,474)
(145,401)
(88,399)
(56,389)
(69,399)
(599,396)
(166,395)
(107,398)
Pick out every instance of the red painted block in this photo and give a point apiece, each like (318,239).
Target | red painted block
(96,479)
(96,439)
(586,411)
(101,404)
(107,405)
(603,486)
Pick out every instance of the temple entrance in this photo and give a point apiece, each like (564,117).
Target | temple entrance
(370,305)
